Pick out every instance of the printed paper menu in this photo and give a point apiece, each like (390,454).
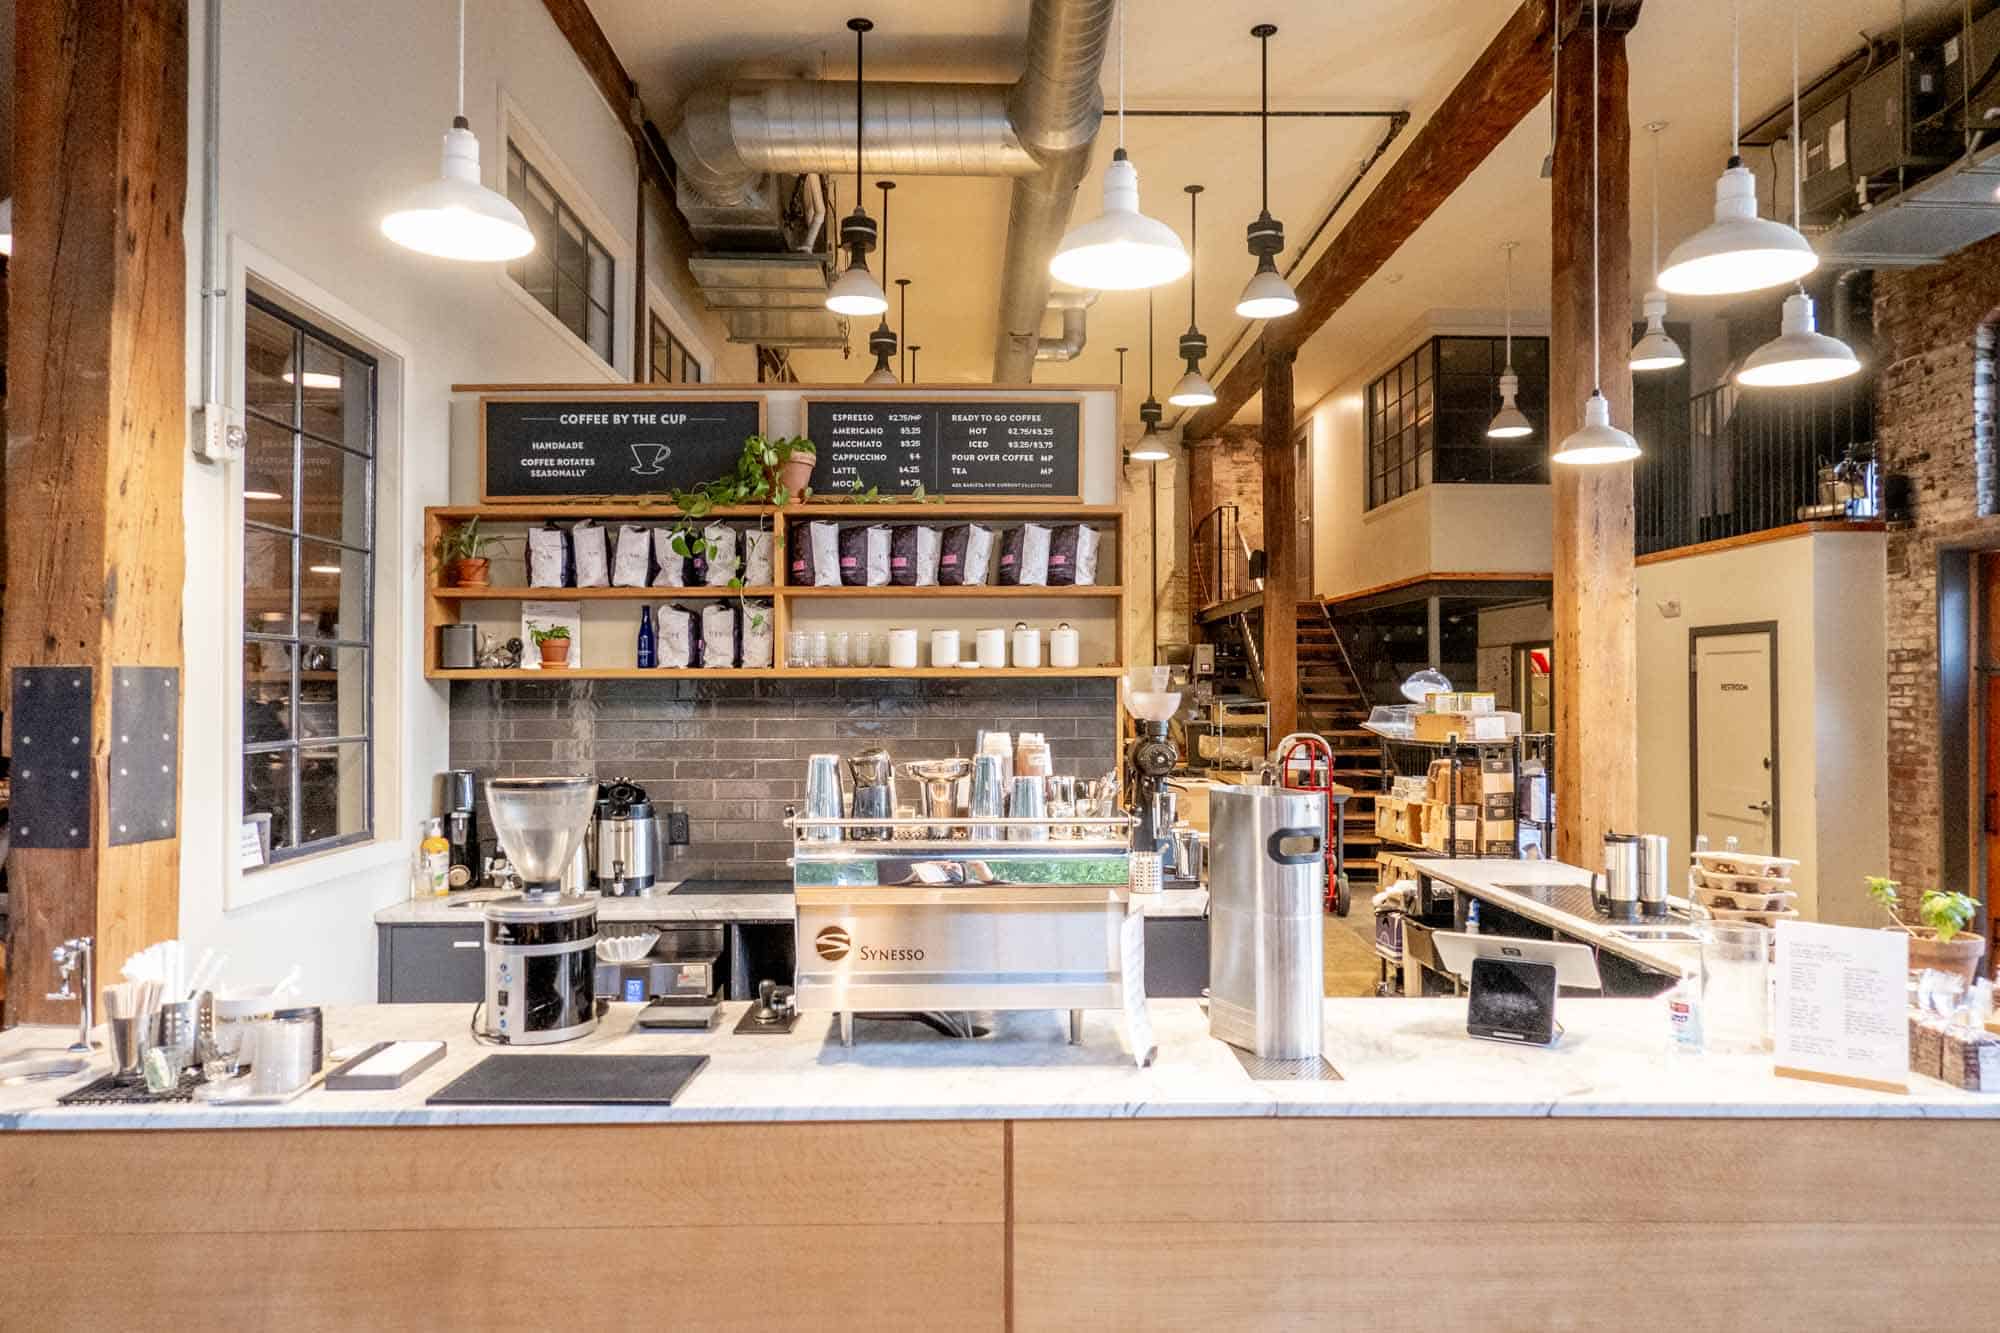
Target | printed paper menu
(1842,993)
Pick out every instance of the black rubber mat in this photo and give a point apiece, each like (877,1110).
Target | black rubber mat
(573,1080)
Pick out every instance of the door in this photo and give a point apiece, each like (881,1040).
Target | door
(1733,741)
(1987,681)
(1302,460)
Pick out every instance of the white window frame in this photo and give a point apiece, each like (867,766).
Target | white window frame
(678,323)
(390,649)
(517,129)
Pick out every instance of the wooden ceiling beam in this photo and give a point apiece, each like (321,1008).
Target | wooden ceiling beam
(1506,83)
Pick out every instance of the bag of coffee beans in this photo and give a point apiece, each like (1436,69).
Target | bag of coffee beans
(1072,556)
(593,569)
(633,560)
(718,634)
(548,557)
(757,558)
(758,634)
(963,553)
(677,636)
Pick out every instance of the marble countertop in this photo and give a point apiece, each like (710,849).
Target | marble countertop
(1487,879)
(702,900)
(1396,1056)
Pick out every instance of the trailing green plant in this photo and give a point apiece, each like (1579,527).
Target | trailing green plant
(753,480)
(1948,914)
(463,541)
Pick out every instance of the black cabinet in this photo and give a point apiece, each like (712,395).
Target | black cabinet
(425,964)
(1176,956)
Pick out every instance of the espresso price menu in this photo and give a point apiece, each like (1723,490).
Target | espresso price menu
(1002,449)
(550,448)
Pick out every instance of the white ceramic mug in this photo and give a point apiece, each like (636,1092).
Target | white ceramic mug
(992,649)
(1027,646)
(944,647)
(1063,646)
(903,649)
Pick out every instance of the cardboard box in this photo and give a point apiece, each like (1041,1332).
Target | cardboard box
(1534,795)
(1496,771)
(1496,837)
(1460,726)
(1498,805)
(1460,701)
(1439,783)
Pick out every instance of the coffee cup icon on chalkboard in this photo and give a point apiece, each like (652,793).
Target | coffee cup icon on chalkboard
(651,458)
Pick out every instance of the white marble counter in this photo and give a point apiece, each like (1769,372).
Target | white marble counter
(1398,1057)
(696,900)
(1487,879)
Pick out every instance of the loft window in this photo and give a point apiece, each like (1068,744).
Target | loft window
(308,583)
(569,272)
(1427,417)
(670,360)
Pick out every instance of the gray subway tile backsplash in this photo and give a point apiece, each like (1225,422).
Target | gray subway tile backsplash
(732,753)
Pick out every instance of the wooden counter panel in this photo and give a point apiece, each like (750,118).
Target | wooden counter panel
(537,1275)
(215,1182)
(1406,1170)
(1500,1275)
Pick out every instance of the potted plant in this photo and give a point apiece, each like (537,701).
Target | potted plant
(1942,943)
(796,459)
(461,555)
(553,644)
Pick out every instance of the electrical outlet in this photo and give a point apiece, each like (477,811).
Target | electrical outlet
(677,828)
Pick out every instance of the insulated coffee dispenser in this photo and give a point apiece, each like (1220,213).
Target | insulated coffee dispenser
(1266,932)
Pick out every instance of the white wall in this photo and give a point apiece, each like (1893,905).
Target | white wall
(1826,594)
(329,113)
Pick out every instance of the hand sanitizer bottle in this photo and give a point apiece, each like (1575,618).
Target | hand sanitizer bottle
(1684,1015)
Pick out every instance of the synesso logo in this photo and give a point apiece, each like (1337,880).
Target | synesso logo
(832,943)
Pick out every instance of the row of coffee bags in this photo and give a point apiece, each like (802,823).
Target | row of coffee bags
(587,554)
(717,635)
(958,555)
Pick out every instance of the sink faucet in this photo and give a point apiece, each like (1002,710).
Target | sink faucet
(70,956)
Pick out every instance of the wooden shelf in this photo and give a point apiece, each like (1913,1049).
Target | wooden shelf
(498,594)
(774,673)
(523,511)
(982,590)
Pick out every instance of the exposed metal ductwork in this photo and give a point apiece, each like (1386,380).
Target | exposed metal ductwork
(1069,345)
(734,145)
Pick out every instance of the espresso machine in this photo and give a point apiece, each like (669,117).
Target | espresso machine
(1152,758)
(461,827)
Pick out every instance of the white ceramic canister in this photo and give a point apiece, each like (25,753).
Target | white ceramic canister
(1027,645)
(944,647)
(1063,646)
(903,648)
(992,649)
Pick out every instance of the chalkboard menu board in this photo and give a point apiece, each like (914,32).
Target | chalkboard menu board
(1026,447)
(563,448)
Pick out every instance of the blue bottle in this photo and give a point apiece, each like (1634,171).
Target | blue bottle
(649,652)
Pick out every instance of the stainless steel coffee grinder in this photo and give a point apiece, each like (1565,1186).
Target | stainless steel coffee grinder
(1152,758)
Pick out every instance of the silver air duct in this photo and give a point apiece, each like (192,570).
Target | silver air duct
(733,144)
(1070,344)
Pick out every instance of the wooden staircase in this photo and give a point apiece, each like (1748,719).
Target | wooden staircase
(1331,703)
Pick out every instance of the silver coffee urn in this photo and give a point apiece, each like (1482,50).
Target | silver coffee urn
(1267,886)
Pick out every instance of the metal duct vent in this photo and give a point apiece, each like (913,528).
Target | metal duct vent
(1935,217)
(777,300)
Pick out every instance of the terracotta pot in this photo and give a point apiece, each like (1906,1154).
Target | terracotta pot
(472,572)
(1959,955)
(555,652)
(795,473)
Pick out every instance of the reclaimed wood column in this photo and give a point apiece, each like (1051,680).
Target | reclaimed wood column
(1596,592)
(97,432)
(1281,539)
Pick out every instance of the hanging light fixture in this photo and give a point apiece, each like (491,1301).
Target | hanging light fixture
(1193,388)
(855,291)
(914,349)
(1267,295)
(882,340)
(1121,249)
(454,216)
(1800,354)
(902,319)
(1510,423)
(7,225)
(1150,448)
(1598,441)
(1739,251)
(1656,348)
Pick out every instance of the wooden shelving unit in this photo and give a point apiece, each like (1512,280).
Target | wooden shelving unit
(1099,606)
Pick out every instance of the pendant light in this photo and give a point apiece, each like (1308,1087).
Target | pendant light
(1510,423)
(1598,441)
(454,216)
(1739,251)
(902,319)
(914,349)
(1800,354)
(1121,249)
(1656,348)
(855,291)
(1193,388)
(1150,448)
(882,340)
(1267,295)
(7,225)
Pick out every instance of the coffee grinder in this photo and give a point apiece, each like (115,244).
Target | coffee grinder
(461,827)
(1152,757)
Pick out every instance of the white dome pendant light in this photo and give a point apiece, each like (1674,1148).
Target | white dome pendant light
(1800,354)
(1150,448)
(1193,388)
(455,216)
(855,291)
(1121,249)
(882,340)
(1598,441)
(1267,295)
(1656,348)
(1510,423)
(1739,251)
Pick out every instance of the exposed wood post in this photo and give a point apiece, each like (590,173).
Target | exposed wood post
(1596,592)
(1281,538)
(97,429)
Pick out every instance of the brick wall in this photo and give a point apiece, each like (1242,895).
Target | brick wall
(1934,404)
(732,753)
(1228,469)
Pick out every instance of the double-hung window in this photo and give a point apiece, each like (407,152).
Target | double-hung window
(672,362)
(308,583)
(569,272)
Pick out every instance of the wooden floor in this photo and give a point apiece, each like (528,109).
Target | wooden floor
(1352,965)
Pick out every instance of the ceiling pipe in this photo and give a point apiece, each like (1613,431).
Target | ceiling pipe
(1039,131)
(1070,344)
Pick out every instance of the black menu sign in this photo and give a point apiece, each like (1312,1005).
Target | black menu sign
(1028,447)
(569,448)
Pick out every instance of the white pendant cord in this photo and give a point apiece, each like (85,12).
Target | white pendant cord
(461,59)
(1121,76)
(1798,215)
(1508,246)
(1735,78)
(1596,300)
(1656,127)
